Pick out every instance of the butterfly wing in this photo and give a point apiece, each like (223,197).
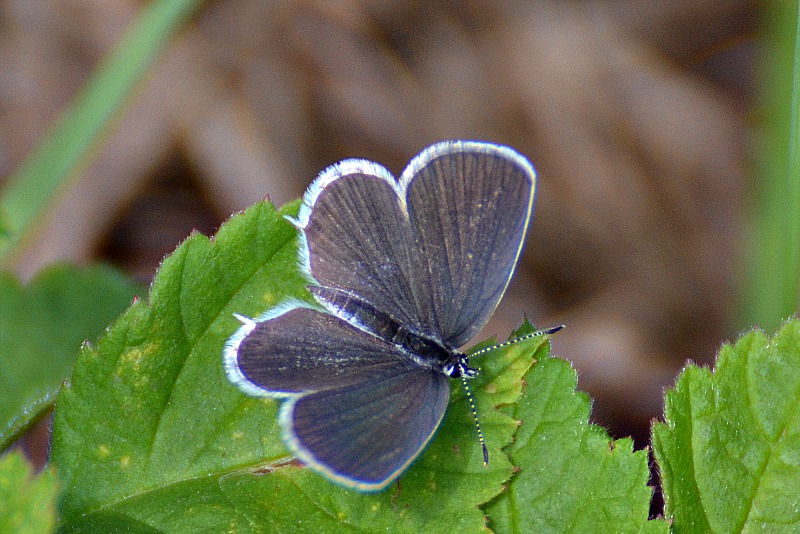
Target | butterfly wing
(469,204)
(364,435)
(357,237)
(357,409)
(435,250)
(294,349)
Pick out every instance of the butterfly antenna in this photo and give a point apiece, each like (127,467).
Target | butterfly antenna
(471,400)
(543,332)
(474,410)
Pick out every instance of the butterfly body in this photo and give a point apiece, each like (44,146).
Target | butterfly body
(421,350)
(403,273)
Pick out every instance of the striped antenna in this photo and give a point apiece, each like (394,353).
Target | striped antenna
(544,332)
(472,407)
(468,392)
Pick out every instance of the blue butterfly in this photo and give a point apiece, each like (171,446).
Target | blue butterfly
(404,273)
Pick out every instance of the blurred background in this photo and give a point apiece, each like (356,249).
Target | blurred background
(637,116)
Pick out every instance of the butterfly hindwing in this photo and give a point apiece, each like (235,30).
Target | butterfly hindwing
(356,409)
(302,349)
(366,434)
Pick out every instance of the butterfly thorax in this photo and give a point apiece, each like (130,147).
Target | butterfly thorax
(422,349)
(430,352)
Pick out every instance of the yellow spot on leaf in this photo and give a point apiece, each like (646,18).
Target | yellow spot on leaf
(269,299)
(131,359)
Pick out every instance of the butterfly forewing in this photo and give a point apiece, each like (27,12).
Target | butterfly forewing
(434,251)
(469,208)
(358,239)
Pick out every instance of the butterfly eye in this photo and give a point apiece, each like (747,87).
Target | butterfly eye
(459,369)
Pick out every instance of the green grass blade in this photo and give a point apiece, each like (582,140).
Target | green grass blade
(771,292)
(31,190)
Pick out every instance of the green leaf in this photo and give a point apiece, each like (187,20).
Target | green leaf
(572,477)
(729,451)
(151,436)
(655,526)
(27,503)
(42,327)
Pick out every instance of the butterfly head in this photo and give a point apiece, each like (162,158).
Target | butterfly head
(458,367)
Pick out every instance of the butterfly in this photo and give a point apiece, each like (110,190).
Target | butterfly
(403,273)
